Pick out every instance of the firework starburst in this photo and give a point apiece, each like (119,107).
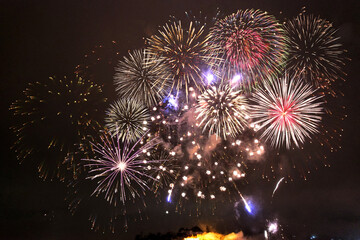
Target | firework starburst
(142,76)
(121,168)
(127,119)
(250,43)
(287,112)
(222,111)
(314,50)
(182,50)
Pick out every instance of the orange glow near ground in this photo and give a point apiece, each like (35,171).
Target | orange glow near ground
(217,236)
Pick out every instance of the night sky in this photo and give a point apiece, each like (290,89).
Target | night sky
(45,38)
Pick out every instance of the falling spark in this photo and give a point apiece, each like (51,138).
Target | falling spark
(277,186)
(247,206)
(266,235)
(170,192)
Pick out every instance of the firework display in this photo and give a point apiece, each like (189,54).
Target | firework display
(127,119)
(315,51)
(182,50)
(54,118)
(198,113)
(141,75)
(250,43)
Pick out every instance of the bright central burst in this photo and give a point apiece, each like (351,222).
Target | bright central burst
(287,111)
(222,111)
(120,169)
(122,166)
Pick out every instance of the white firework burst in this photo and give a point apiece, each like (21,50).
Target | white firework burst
(287,111)
(141,76)
(222,111)
(127,118)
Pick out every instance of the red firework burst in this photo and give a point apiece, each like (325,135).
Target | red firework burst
(250,43)
(245,48)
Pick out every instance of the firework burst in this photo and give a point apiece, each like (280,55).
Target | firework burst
(121,169)
(127,119)
(182,51)
(118,180)
(250,43)
(222,111)
(54,118)
(314,50)
(287,112)
(142,76)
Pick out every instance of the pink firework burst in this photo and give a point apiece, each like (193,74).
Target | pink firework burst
(287,112)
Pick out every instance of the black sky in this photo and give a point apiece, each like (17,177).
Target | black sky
(44,38)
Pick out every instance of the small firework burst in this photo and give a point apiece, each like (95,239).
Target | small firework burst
(121,169)
(287,112)
(141,76)
(222,111)
(182,51)
(315,52)
(127,119)
(53,118)
(250,43)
